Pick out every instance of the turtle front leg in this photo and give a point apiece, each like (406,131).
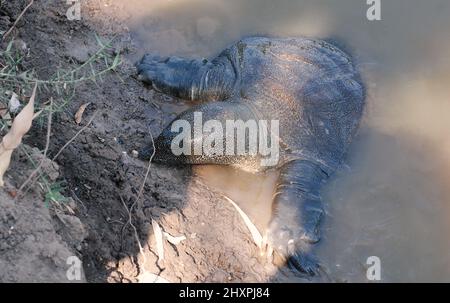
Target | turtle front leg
(297,212)
(190,79)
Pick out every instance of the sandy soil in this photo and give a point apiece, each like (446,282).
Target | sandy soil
(103,180)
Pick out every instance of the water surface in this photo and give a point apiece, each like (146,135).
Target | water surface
(391,199)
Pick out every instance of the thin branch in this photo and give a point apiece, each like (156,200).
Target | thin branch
(18,19)
(141,249)
(141,190)
(38,168)
(74,137)
(6,78)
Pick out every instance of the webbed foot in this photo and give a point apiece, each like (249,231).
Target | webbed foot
(155,70)
(294,246)
(297,208)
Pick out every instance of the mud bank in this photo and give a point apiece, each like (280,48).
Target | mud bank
(102,179)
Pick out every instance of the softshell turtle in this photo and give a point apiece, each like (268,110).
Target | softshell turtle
(309,86)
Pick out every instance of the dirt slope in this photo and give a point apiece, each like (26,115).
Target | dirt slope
(103,180)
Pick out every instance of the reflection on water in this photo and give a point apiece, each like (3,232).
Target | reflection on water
(392,200)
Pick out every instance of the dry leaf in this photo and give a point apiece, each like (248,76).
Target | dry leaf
(37,114)
(20,126)
(5,158)
(256,235)
(174,240)
(14,103)
(80,111)
(4,111)
(159,240)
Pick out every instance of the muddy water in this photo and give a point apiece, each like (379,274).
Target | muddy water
(391,199)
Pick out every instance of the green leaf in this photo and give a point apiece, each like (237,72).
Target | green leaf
(98,40)
(116,61)
(10,44)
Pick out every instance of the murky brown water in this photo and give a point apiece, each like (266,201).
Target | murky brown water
(392,198)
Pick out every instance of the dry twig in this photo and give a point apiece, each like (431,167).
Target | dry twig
(75,136)
(141,249)
(18,19)
(141,190)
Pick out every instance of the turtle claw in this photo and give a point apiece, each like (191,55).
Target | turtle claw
(168,75)
(294,246)
(303,264)
(148,67)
